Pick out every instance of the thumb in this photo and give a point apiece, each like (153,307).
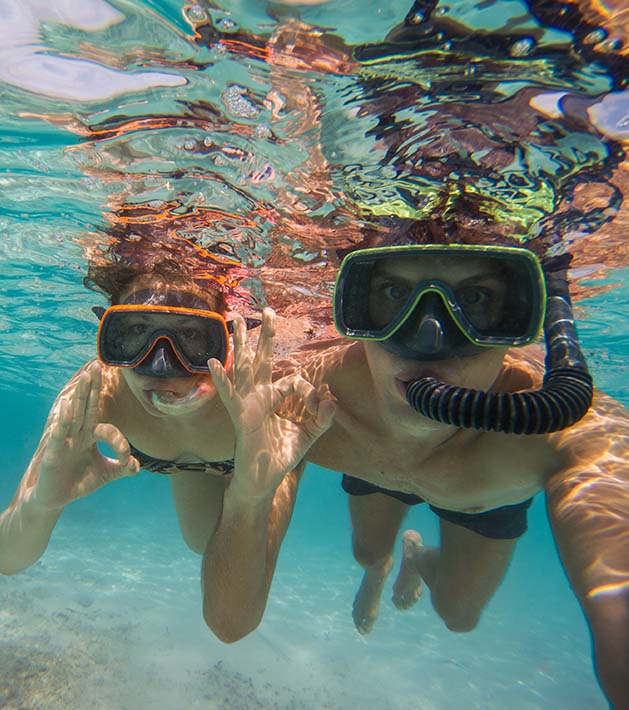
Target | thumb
(321,421)
(224,386)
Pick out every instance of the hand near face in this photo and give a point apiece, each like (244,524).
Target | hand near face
(71,465)
(268,445)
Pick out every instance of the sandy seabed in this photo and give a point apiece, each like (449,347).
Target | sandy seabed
(110,619)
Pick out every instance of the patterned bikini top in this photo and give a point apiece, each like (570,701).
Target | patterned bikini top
(153,465)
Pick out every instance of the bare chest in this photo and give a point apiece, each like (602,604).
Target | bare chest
(462,473)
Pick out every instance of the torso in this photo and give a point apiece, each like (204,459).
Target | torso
(462,470)
(207,436)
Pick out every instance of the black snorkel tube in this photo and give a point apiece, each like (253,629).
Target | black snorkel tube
(563,399)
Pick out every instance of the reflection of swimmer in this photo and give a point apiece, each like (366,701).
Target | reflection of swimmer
(151,398)
(27,63)
(454,317)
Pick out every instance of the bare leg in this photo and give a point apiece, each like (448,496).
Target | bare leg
(408,585)
(376,519)
(462,574)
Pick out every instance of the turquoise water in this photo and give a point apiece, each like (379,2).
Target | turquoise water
(104,104)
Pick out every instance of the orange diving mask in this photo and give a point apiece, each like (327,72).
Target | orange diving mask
(163,336)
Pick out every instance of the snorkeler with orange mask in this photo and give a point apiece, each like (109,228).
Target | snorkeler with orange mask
(150,396)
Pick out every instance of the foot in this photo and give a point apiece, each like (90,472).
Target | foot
(408,586)
(367,600)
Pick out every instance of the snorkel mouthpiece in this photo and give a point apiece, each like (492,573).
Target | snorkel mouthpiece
(565,395)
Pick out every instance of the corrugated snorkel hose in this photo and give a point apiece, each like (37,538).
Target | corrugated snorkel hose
(565,395)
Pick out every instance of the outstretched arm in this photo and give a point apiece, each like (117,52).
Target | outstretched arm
(241,555)
(67,465)
(588,506)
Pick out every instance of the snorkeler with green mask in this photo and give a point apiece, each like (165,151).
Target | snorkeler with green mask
(445,396)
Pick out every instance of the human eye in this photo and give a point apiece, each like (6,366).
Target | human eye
(133,330)
(191,333)
(475,296)
(393,291)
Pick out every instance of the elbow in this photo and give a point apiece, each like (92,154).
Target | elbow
(226,628)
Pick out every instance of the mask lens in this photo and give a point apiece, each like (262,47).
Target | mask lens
(495,295)
(127,334)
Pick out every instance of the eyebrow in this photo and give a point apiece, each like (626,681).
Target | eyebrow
(385,273)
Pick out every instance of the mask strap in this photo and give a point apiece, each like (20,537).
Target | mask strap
(250,323)
(98,311)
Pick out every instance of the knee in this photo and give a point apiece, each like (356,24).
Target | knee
(456,616)
(368,553)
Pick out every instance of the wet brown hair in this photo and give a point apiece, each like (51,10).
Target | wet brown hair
(143,244)
(465,219)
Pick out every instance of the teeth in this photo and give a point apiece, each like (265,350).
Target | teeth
(172,403)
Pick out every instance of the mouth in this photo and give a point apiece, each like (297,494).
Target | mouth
(170,401)
(403,379)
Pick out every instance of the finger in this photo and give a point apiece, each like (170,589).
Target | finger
(224,386)
(60,429)
(124,464)
(92,411)
(308,395)
(79,399)
(131,468)
(325,416)
(292,385)
(263,361)
(112,436)
(243,372)
(311,429)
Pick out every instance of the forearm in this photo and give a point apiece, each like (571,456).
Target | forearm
(608,619)
(240,559)
(25,529)
(589,513)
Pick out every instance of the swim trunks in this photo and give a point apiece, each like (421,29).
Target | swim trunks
(505,523)
(153,465)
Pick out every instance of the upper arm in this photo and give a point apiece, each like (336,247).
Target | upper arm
(588,502)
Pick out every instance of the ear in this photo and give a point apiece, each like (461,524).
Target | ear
(98,311)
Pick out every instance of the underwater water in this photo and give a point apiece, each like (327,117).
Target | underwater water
(271,131)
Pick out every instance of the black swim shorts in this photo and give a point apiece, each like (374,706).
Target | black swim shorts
(504,523)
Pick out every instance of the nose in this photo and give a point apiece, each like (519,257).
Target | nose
(162,361)
(428,336)
(425,328)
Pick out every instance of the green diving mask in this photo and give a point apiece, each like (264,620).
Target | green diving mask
(432,302)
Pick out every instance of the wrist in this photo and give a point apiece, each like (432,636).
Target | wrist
(33,505)
(242,496)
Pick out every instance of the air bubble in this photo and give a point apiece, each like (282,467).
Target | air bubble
(595,36)
(195,13)
(522,47)
(227,24)
(263,132)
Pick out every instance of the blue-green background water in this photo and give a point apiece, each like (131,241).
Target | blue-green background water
(110,617)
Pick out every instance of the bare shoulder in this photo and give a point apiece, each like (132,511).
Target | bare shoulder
(327,361)
(595,455)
